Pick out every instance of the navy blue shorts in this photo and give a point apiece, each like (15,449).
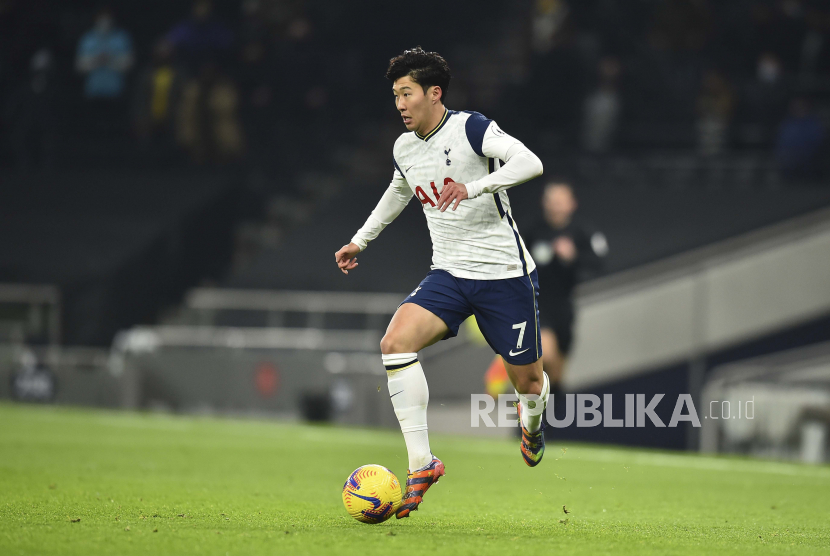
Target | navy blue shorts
(507,311)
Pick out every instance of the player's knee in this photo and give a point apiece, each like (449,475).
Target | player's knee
(391,343)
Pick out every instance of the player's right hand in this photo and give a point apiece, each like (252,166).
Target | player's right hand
(346,258)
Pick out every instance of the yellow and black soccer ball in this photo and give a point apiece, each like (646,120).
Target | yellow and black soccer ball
(372,494)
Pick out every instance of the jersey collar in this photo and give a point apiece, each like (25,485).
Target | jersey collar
(444,119)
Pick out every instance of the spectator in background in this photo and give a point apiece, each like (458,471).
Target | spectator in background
(602,109)
(764,100)
(815,45)
(776,27)
(296,53)
(549,18)
(565,252)
(157,95)
(26,26)
(714,110)
(800,141)
(200,38)
(254,23)
(558,71)
(105,54)
(30,112)
(208,123)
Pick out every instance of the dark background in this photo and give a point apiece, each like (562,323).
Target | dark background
(679,123)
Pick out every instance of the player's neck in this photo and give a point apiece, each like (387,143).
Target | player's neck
(435,116)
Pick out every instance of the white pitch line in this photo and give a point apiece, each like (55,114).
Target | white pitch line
(704,463)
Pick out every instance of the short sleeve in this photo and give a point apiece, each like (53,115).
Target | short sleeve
(497,144)
(476,127)
(487,139)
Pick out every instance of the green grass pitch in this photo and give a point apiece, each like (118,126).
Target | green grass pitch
(98,482)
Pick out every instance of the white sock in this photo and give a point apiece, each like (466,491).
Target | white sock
(409,393)
(533,407)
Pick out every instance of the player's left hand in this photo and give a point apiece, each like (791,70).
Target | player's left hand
(452,192)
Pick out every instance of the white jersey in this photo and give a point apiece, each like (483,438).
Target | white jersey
(479,240)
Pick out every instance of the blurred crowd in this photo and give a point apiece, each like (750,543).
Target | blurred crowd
(721,76)
(204,89)
(221,82)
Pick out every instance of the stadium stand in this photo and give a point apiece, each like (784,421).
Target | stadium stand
(119,247)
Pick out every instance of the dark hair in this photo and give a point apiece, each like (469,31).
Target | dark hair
(428,69)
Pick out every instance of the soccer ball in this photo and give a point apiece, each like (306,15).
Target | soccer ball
(372,494)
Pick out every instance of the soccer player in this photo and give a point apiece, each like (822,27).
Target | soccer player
(451,162)
(566,252)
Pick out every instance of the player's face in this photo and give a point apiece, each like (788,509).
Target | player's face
(411,102)
(560,204)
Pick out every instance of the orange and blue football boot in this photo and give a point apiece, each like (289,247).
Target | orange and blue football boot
(416,486)
(533,443)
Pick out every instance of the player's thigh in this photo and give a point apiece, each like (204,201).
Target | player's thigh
(434,311)
(506,312)
(411,329)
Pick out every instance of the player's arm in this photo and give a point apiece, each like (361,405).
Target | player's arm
(394,200)
(487,140)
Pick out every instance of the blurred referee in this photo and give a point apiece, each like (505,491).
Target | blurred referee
(565,252)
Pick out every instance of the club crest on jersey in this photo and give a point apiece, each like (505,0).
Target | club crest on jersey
(447,152)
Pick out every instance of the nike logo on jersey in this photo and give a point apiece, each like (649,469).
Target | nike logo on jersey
(416,291)
(410,168)
(518,352)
